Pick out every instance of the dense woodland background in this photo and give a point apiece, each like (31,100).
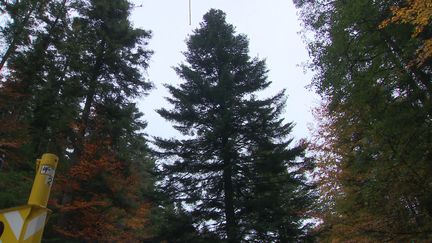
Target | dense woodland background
(71,69)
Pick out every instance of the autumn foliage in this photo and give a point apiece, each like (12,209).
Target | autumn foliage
(417,13)
(98,199)
(67,87)
(12,122)
(71,73)
(372,65)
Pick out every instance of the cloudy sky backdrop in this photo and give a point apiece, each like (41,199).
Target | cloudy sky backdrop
(272,27)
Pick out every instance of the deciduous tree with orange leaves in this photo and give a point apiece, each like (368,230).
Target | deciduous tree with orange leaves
(372,141)
(417,13)
(101,199)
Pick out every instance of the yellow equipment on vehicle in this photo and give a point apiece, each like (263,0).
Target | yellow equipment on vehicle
(25,224)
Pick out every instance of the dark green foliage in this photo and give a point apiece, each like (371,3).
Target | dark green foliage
(375,122)
(234,143)
(106,54)
(24,88)
(68,88)
(172,224)
(22,18)
(279,198)
(13,184)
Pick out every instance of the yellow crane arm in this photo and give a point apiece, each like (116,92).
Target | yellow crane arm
(25,224)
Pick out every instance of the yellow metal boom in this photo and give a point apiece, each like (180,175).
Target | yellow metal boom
(25,224)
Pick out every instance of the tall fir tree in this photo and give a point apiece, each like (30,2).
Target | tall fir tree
(68,89)
(234,167)
(28,64)
(21,18)
(109,162)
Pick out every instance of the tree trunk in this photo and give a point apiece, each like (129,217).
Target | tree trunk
(87,106)
(12,46)
(229,205)
(231,226)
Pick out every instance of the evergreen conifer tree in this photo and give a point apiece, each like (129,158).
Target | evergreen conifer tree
(234,167)
(68,90)
(109,165)
(31,71)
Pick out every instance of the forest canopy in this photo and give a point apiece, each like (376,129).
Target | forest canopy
(71,73)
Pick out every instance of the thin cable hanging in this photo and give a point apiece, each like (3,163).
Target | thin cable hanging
(190,12)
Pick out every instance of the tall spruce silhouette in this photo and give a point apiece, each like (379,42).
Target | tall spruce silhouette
(234,168)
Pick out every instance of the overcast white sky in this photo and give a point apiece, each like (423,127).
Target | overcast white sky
(272,27)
